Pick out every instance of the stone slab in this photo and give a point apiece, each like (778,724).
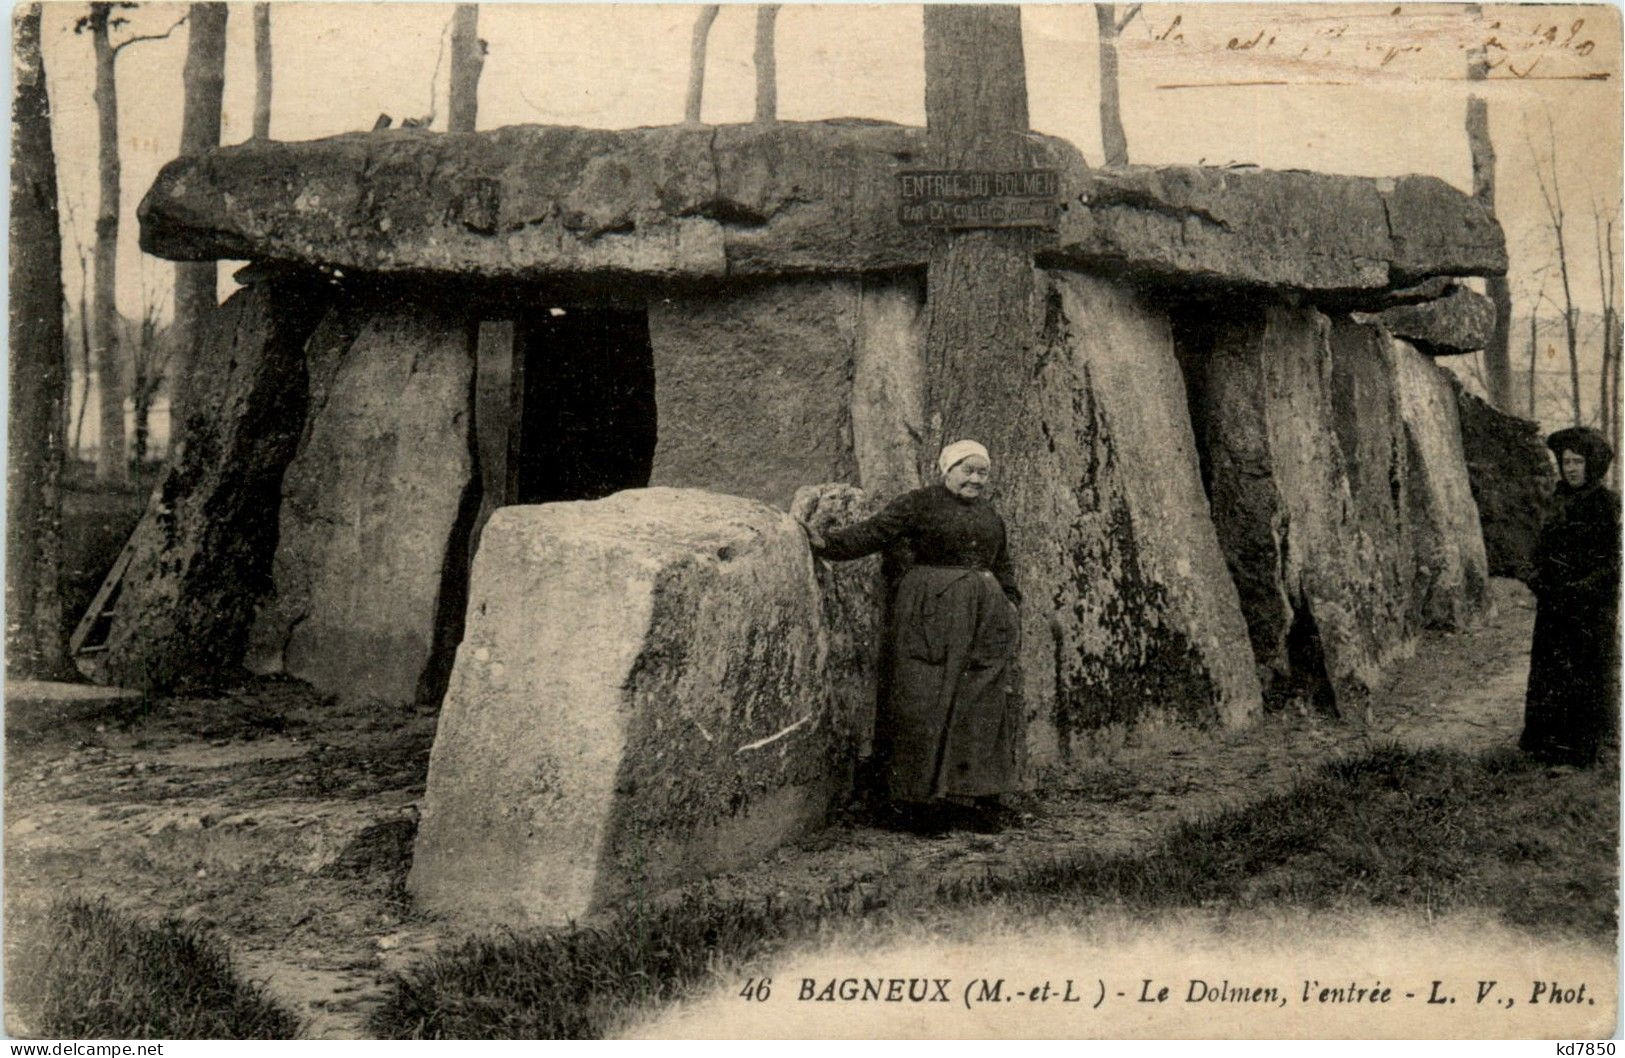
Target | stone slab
(1510,472)
(856,608)
(373,506)
(1375,446)
(1129,616)
(1459,321)
(754,387)
(771,199)
(202,552)
(1305,566)
(641,698)
(1452,571)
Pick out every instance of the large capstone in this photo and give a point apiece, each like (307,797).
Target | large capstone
(706,202)
(201,555)
(641,697)
(376,506)
(1510,472)
(1452,573)
(1322,625)
(1128,614)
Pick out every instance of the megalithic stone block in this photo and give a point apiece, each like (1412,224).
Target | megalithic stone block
(641,697)
(1124,564)
(375,504)
(1510,473)
(201,555)
(1295,541)
(1452,572)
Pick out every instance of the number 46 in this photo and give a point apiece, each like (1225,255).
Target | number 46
(756,989)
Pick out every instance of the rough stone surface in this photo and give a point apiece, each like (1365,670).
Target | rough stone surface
(1128,615)
(753,387)
(685,202)
(641,697)
(888,385)
(203,548)
(856,607)
(374,505)
(1285,514)
(1510,473)
(1372,436)
(1299,230)
(1459,321)
(1452,573)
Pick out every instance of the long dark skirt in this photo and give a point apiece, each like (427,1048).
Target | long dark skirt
(951,726)
(1571,707)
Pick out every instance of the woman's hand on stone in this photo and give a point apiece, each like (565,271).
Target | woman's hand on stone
(815,539)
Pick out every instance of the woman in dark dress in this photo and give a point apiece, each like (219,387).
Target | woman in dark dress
(950,730)
(1571,708)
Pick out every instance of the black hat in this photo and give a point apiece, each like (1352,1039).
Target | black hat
(1587,442)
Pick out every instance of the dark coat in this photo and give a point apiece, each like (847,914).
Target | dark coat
(1572,705)
(939,528)
(951,723)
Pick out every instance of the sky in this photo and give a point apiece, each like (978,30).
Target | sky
(1374,90)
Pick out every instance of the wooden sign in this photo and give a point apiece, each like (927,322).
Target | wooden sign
(968,198)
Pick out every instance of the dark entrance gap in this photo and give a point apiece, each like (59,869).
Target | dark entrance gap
(563,408)
(587,411)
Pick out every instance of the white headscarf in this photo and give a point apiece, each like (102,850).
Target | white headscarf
(958,452)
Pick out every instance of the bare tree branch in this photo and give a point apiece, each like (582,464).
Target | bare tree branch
(121,45)
(1123,22)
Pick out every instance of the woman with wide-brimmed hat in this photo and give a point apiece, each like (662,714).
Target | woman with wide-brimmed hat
(1571,708)
(949,735)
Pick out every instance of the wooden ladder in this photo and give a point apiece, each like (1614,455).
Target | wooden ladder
(90,637)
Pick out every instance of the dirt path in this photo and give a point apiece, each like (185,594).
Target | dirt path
(286,825)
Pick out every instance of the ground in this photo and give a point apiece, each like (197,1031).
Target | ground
(284,822)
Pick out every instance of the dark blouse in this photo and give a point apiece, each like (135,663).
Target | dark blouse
(940,529)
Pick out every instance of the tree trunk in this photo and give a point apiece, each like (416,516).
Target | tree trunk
(467,60)
(1534,356)
(696,63)
(767,83)
(196,285)
(1113,140)
(1619,428)
(85,347)
(1604,406)
(110,466)
(262,71)
(35,639)
(1497,354)
(979,338)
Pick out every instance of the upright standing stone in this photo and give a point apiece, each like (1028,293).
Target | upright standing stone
(1143,620)
(1452,573)
(855,607)
(374,506)
(754,387)
(202,551)
(1510,472)
(1284,510)
(641,698)
(1374,441)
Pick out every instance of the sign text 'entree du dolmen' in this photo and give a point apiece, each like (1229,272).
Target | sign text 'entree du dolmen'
(967,198)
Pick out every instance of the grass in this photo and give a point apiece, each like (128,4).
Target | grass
(96,973)
(1428,831)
